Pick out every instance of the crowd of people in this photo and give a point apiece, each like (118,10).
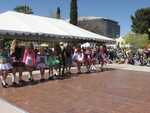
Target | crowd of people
(58,60)
(131,56)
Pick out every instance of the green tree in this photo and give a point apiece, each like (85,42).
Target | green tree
(73,12)
(141,21)
(137,40)
(56,14)
(7,43)
(24,9)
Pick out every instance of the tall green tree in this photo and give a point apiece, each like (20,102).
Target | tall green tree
(74,12)
(141,21)
(58,13)
(137,40)
(24,9)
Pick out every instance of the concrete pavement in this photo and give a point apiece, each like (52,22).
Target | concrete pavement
(129,67)
(6,107)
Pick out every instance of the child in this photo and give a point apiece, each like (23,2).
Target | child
(88,58)
(69,52)
(78,57)
(93,61)
(29,59)
(103,56)
(53,64)
(16,54)
(5,65)
(41,63)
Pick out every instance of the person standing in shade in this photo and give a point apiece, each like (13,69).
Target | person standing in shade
(5,65)
(16,54)
(58,54)
(29,60)
(88,58)
(63,58)
(78,58)
(41,63)
(53,63)
(69,54)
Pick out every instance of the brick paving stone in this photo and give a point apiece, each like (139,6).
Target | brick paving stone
(114,91)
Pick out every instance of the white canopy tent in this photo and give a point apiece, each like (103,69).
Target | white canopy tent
(18,23)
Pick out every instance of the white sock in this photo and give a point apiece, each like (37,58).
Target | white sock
(3,81)
(13,78)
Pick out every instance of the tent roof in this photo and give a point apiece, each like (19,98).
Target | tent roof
(15,22)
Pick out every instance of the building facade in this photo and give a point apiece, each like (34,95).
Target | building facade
(102,26)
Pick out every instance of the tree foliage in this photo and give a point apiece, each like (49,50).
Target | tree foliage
(137,40)
(141,21)
(7,42)
(73,12)
(56,14)
(24,9)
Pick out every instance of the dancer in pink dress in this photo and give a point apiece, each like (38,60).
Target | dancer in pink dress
(29,59)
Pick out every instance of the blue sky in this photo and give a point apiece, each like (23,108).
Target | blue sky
(118,10)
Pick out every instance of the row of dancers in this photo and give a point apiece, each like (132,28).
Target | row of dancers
(58,60)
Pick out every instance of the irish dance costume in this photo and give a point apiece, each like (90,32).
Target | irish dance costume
(4,62)
(29,58)
(41,61)
(5,66)
(53,61)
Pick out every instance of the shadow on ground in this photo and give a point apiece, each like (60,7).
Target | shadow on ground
(59,77)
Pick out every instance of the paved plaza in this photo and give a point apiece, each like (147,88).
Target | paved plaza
(114,91)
